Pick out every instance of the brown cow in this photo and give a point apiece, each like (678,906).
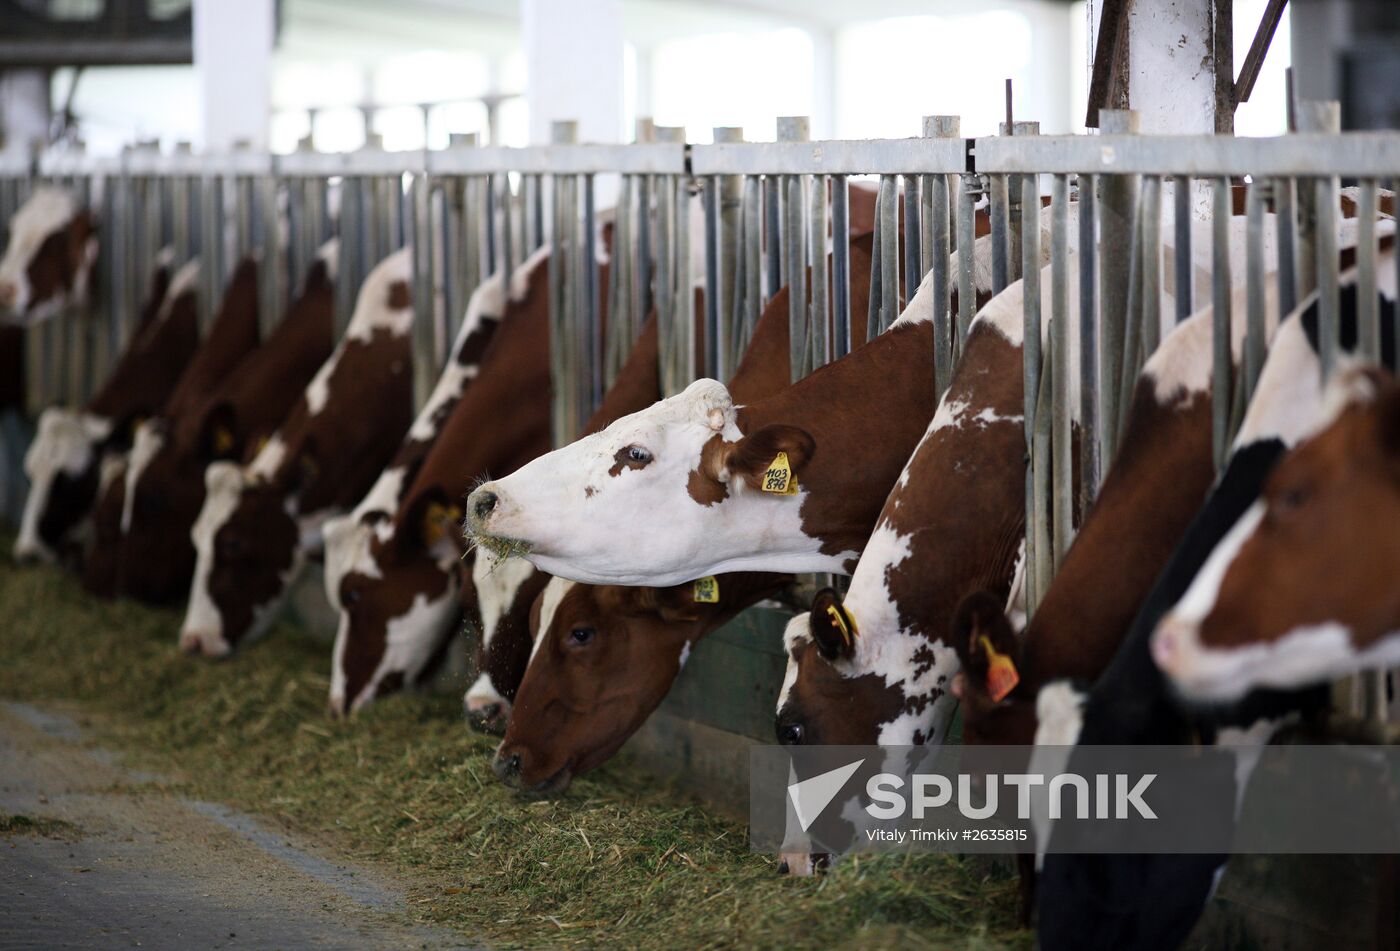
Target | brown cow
(68,453)
(1303,589)
(259,522)
(164,486)
(49,258)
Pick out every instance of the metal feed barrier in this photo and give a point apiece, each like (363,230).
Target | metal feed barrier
(764,211)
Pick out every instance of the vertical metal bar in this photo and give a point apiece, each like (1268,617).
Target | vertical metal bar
(1368,308)
(1151,264)
(1031,357)
(1221,368)
(1185,277)
(1329,302)
(729,221)
(1255,276)
(967,299)
(645,225)
(872,309)
(271,277)
(841,330)
(685,291)
(350,249)
(592,326)
(507,242)
(913,233)
(935,193)
(1001,244)
(493,261)
(618,320)
(821,316)
(1094,396)
(793,261)
(715,347)
(1286,218)
(427,345)
(753,255)
(1061,433)
(772,237)
(888,236)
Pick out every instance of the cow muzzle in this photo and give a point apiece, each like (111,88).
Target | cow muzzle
(204,644)
(9,295)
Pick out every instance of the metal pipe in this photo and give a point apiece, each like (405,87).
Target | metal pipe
(593,326)
(1328,300)
(794,267)
(753,256)
(685,291)
(716,340)
(913,234)
(1061,432)
(772,236)
(887,235)
(820,321)
(1255,275)
(730,213)
(1286,219)
(1151,264)
(967,300)
(937,218)
(1182,266)
(1095,398)
(1221,368)
(1001,244)
(841,330)
(1031,366)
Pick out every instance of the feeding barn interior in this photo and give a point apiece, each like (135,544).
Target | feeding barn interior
(447,437)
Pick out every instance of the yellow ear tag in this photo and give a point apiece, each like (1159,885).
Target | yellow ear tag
(436,518)
(707,590)
(845,623)
(223,440)
(779,479)
(262,443)
(1002,677)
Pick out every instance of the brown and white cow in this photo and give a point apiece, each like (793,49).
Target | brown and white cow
(639,636)
(260,521)
(66,458)
(1305,588)
(48,260)
(391,566)
(695,463)
(239,397)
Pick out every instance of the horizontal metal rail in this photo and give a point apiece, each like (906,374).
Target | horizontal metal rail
(923,156)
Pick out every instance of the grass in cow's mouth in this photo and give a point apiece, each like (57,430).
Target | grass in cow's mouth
(619,861)
(498,547)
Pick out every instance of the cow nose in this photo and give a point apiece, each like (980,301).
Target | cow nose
(506,766)
(487,719)
(190,643)
(8,293)
(483,503)
(336,707)
(1166,643)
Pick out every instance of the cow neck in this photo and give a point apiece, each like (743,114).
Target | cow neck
(866,412)
(233,335)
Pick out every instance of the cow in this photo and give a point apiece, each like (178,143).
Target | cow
(260,521)
(1110,901)
(49,258)
(506,629)
(1303,589)
(235,398)
(391,566)
(67,455)
(696,462)
(641,636)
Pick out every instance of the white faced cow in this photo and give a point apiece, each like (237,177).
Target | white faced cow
(49,258)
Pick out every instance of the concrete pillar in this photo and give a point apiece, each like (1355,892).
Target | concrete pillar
(233,61)
(824,82)
(573,56)
(1320,29)
(24,108)
(1181,66)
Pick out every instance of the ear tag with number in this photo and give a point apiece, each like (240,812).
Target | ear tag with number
(779,479)
(436,518)
(1002,677)
(707,590)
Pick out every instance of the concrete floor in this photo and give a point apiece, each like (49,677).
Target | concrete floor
(137,867)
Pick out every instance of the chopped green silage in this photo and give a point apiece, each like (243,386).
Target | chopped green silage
(620,861)
(35,825)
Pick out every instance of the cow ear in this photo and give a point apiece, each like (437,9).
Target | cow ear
(986,645)
(435,523)
(770,459)
(218,439)
(307,468)
(676,604)
(833,626)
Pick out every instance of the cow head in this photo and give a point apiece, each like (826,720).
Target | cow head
(63,465)
(1303,588)
(497,597)
(50,254)
(397,600)
(604,658)
(164,494)
(990,657)
(575,512)
(247,551)
(842,688)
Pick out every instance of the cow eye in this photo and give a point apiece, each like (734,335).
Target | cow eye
(581,635)
(790,734)
(351,597)
(638,455)
(1291,499)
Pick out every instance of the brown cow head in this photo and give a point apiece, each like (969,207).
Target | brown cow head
(1304,588)
(604,658)
(990,658)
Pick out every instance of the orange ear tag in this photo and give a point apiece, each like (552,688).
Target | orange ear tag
(779,479)
(707,590)
(1002,677)
(223,440)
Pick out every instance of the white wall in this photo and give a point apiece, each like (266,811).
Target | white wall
(233,62)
